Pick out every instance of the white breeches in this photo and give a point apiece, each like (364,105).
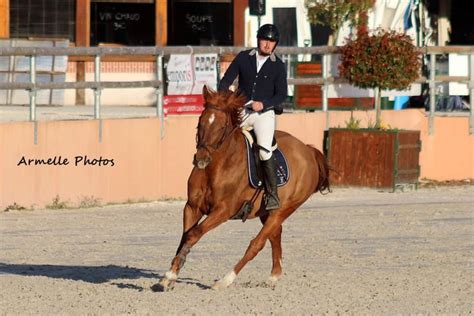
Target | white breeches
(264,126)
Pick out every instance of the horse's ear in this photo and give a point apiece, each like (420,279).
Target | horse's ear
(205,92)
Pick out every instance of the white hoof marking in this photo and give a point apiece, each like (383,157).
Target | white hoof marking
(225,281)
(170,275)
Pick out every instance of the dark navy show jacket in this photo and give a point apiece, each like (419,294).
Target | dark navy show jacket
(268,86)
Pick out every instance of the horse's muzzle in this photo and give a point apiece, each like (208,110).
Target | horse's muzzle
(201,163)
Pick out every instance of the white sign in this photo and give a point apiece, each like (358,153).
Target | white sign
(458,66)
(205,69)
(188,73)
(180,74)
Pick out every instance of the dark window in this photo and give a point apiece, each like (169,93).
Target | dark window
(200,22)
(131,24)
(285,20)
(462,28)
(43,19)
(319,37)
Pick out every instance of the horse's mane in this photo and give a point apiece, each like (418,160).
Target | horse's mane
(227,101)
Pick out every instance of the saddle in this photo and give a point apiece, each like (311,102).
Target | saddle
(255,171)
(254,168)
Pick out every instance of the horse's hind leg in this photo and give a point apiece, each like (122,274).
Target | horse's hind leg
(271,227)
(275,240)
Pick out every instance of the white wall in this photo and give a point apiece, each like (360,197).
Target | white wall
(116,97)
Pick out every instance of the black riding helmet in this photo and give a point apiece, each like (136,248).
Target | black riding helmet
(268,32)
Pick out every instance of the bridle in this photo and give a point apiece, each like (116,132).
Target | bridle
(212,148)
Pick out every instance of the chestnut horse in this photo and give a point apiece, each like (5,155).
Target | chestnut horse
(217,187)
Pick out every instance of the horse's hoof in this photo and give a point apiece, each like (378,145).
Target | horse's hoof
(219,285)
(163,286)
(273,279)
(225,281)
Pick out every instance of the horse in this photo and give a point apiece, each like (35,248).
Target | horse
(217,189)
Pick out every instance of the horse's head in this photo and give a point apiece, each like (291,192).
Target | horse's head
(220,115)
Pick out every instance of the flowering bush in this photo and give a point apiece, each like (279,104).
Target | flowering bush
(386,59)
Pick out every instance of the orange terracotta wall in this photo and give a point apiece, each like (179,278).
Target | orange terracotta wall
(449,153)
(149,167)
(145,166)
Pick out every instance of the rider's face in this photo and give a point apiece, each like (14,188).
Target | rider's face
(265,46)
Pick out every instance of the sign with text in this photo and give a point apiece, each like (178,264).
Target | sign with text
(187,74)
(131,24)
(201,23)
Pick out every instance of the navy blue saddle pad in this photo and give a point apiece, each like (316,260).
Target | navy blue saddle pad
(282,170)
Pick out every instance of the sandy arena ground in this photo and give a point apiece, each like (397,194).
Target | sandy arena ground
(353,251)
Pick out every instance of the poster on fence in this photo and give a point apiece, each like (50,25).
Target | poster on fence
(205,70)
(187,74)
(183,104)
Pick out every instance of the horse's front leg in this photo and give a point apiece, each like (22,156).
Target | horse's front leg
(189,239)
(191,217)
(270,228)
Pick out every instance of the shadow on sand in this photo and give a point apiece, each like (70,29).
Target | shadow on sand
(90,274)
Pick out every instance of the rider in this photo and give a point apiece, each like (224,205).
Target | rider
(262,78)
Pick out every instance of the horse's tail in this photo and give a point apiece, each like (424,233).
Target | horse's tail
(323,166)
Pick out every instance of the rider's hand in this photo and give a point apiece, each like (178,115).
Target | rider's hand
(257,106)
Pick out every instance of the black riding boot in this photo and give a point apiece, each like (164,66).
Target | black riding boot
(272,201)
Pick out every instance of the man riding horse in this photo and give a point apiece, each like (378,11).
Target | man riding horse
(262,79)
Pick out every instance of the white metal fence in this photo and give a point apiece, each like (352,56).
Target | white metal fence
(159,52)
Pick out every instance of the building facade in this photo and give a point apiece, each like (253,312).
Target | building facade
(126,22)
(84,23)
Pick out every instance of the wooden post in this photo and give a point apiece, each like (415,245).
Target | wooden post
(4,18)
(161,22)
(239,22)
(83,17)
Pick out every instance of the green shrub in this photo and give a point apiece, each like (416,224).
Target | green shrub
(57,204)
(14,207)
(385,59)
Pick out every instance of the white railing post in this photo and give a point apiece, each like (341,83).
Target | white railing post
(159,93)
(97,90)
(432,86)
(33,88)
(33,98)
(97,93)
(471,93)
(324,87)
(159,89)
(325,78)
